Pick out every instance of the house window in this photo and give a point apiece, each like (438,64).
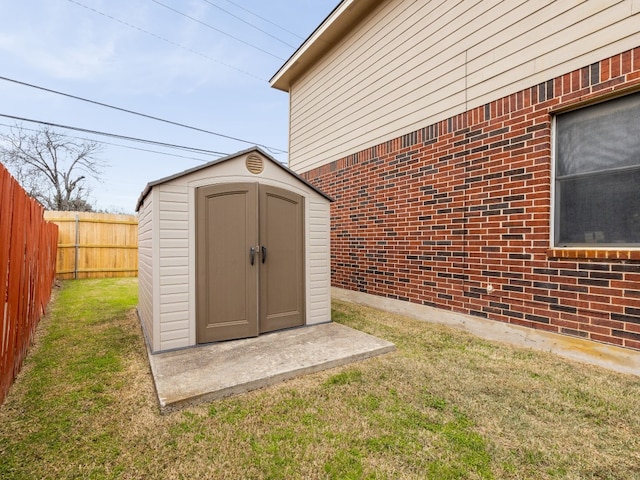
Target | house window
(597,175)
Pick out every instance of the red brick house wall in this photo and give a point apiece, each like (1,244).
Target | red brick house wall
(436,215)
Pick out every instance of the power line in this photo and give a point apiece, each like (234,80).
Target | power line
(217,30)
(159,153)
(144,115)
(264,19)
(115,135)
(121,146)
(249,23)
(155,151)
(244,72)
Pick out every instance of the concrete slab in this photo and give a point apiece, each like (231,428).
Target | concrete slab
(204,373)
(618,359)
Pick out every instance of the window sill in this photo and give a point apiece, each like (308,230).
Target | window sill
(625,254)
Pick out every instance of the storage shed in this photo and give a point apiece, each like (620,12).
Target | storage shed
(231,249)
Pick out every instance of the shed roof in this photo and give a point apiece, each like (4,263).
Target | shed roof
(341,20)
(152,184)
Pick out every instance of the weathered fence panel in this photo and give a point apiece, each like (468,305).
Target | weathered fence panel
(27,272)
(95,245)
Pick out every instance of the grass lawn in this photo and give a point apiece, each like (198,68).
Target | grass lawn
(446,405)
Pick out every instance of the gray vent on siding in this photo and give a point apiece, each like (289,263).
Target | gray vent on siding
(255,164)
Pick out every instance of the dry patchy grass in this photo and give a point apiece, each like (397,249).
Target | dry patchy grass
(445,405)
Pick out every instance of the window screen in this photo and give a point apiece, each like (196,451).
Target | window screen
(597,178)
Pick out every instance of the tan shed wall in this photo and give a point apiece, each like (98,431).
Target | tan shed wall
(177,260)
(411,64)
(318,261)
(173,266)
(145,265)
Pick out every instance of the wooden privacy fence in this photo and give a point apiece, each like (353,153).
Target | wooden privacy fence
(27,272)
(96,245)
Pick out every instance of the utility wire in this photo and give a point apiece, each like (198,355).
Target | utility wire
(249,23)
(264,19)
(117,144)
(244,72)
(217,29)
(156,152)
(144,115)
(115,135)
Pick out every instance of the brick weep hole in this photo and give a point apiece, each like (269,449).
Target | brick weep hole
(433,216)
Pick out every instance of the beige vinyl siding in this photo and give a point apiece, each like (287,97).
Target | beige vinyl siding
(318,261)
(145,266)
(410,64)
(173,235)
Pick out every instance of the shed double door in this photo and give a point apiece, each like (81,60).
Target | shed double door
(250,260)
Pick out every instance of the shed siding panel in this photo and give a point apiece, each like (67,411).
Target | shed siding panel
(172,339)
(173,235)
(173,317)
(173,289)
(170,344)
(168,307)
(175,215)
(414,63)
(145,266)
(318,262)
(173,243)
(176,326)
(176,298)
(172,225)
(177,270)
(174,261)
(174,280)
(172,253)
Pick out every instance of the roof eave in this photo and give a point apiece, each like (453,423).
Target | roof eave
(328,33)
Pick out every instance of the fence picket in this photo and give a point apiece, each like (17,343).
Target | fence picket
(6,208)
(95,245)
(28,246)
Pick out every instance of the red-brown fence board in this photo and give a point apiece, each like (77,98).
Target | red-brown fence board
(5,230)
(27,270)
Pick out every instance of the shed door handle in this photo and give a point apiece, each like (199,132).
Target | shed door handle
(252,252)
(264,253)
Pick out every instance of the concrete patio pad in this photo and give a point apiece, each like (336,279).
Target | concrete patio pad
(204,373)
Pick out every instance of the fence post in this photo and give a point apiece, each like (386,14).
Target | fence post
(75,264)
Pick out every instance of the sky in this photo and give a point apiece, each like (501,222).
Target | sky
(202,63)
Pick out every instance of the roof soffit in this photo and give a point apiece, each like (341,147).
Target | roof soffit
(329,33)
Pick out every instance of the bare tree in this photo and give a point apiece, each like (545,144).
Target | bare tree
(51,167)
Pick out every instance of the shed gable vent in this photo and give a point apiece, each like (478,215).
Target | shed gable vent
(255,164)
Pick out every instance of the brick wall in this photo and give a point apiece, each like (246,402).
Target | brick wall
(436,215)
